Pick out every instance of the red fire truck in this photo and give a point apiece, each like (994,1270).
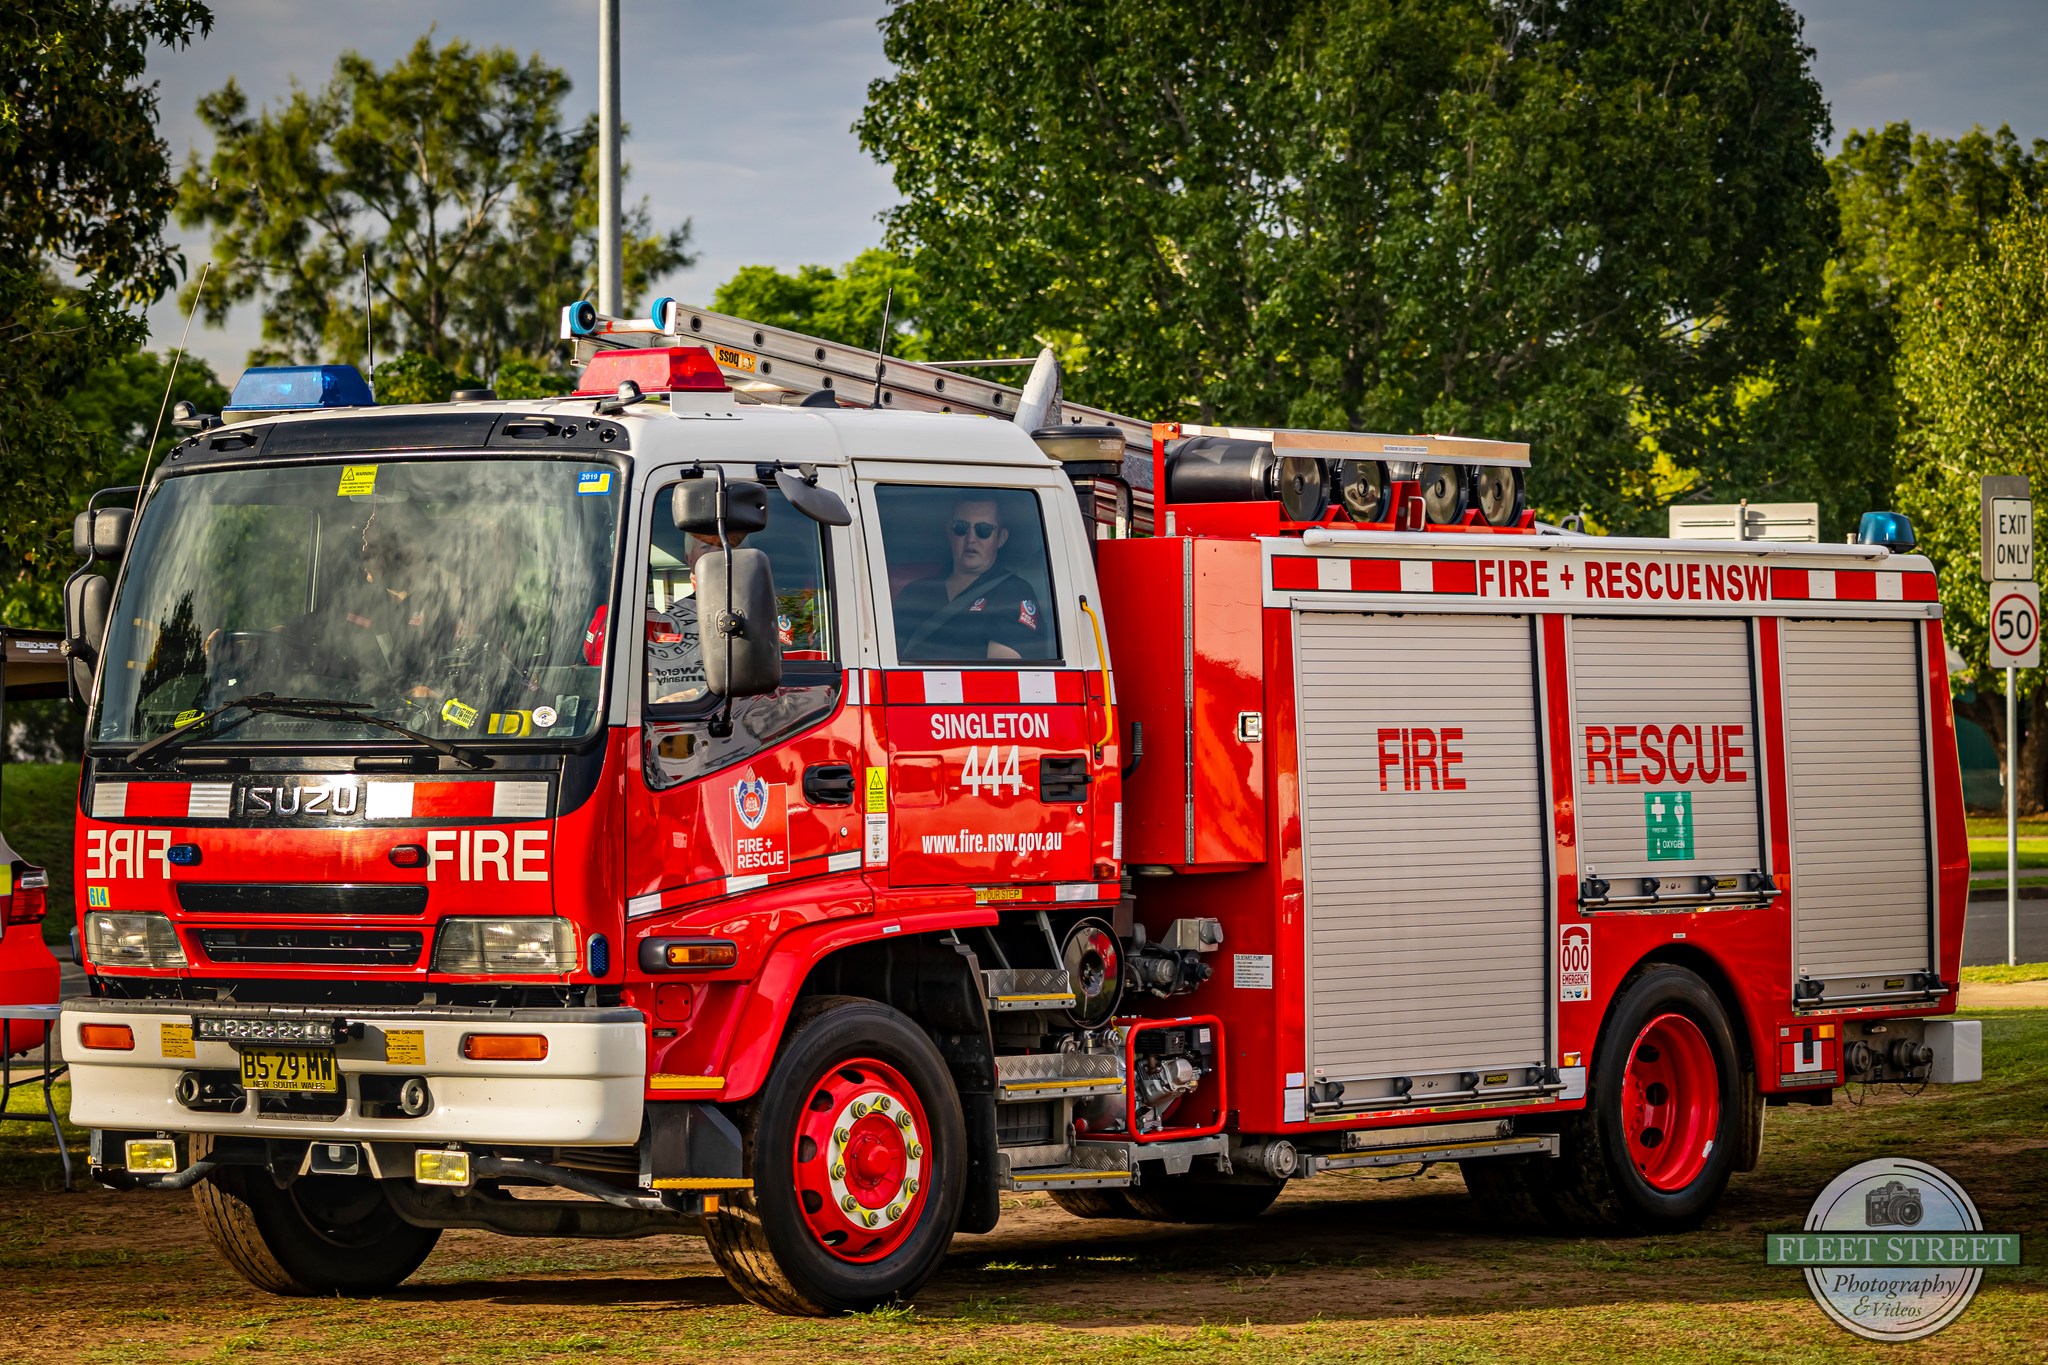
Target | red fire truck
(797,796)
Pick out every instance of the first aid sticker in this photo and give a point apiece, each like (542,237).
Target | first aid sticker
(593,483)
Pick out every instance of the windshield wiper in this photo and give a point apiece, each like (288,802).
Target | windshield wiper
(302,708)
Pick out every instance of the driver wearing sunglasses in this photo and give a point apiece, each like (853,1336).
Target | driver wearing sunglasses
(979,610)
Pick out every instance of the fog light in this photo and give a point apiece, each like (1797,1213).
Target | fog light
(440,1167)
(523,946)
(505,1047)
(155,1156)
(107,1037)
(144,940)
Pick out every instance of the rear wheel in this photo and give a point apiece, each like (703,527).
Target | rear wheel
(1178,1199)
(322,1234)
(1093,1203)
(857,1150)
(1658,1139)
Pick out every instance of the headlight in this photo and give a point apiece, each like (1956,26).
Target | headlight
(507,947)
(132,941)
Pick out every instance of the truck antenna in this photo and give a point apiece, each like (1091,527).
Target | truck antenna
(176,360)
(369,328)
(882,345)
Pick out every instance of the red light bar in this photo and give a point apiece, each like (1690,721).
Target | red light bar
(663,369)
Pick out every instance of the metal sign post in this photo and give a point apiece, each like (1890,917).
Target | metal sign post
(2006,560)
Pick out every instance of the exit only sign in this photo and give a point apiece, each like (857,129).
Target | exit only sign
(2006,551)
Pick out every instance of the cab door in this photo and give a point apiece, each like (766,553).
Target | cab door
(762,796)
(983,762)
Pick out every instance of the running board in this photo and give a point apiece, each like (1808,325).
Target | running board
(1531,1144)
(1029,988)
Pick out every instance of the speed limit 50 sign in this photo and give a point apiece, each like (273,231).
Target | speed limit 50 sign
(2015,625)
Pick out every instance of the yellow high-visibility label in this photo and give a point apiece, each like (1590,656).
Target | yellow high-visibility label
(405,1046)
(878,791)
(176,1040)
(734,359)
(357,480)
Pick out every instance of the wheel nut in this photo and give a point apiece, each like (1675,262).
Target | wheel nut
(848,1203)
(895,1212)
(839,1170)
(910,1186)
(916,1151)
(882,1105)
(860,1108)
(903,1120)
(870,1219)
(840,1135)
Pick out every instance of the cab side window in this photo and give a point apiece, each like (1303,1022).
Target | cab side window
(969,578)
(796,550)
(679,743)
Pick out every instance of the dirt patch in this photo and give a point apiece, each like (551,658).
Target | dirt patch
(2002,995)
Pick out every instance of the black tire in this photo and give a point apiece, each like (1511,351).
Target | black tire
(1504,1189)
(762,1240)
(1093,1203)
(323,1234)
(1595,1185)
(1177,1199)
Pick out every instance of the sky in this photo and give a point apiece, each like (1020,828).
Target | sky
(740,116)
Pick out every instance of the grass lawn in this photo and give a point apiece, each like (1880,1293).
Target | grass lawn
(37,804)
(1988,855)
(1993,827)
(1344,1268)
(2022,971)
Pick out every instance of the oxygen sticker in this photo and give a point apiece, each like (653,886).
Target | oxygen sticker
(357,480)
(455,713)
(593,483)
(1575,962)
(1667,824)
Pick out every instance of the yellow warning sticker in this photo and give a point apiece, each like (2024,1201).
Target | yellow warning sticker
(456,713)
(405,1047)
(176,1040)
(185,718)
(357,480)
(878,791)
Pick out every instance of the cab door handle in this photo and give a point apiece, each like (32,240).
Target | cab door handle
(829,784)
(1063,778)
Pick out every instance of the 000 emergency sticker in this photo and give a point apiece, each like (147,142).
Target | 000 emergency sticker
(1575,962)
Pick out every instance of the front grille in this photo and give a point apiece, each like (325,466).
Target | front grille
(287,898)
(311,947)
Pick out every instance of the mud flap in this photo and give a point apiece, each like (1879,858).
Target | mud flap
(690,1139)
(981,1205)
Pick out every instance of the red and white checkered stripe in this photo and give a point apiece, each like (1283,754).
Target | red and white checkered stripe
(1460,577)
(983,687)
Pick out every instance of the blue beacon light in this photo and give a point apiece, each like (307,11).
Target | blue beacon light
(294,388)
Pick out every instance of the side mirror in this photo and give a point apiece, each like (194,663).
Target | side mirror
(87,599)
(101,533)
(695,504)
(742,649)
(821,505)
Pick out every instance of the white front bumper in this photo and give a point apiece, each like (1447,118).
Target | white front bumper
(587,1091)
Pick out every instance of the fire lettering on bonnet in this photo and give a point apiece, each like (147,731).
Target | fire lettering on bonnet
(486,855)
(111,854)
(1631,755)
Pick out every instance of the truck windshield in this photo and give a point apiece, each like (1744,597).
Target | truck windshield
(466,599)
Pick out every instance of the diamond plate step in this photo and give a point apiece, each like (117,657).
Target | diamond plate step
(1051,1075)
(1029,988)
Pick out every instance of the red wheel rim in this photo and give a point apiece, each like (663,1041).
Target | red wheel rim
(862,1157)
(1670,1102)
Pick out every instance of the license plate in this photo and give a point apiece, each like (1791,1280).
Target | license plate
(289,1068)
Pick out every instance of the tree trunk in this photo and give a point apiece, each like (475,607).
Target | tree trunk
(2034,753)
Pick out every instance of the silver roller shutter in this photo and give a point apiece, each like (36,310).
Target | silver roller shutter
(1855,745)
(1660,709)
(1427,911)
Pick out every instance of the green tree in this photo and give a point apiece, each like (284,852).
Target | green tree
(844,305)
(123,396)
(452,169)
(1580,225)
(84,187)
(1973,376)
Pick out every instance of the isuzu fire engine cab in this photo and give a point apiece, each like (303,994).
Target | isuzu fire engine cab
(733,800)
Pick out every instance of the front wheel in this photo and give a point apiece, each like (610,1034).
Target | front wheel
(322,1234)
(857,1149)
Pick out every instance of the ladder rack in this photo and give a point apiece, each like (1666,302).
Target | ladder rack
(775,366)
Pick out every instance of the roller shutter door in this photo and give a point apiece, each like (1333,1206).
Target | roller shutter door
(1422,819)
(1665,739)
(1855,743)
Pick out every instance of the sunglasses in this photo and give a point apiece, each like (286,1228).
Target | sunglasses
(983,530)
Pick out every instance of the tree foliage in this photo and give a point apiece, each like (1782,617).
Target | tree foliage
(1581,225)
(844,305)
(452,169)
(84,189)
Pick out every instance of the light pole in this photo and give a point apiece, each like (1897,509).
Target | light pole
(609,270)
